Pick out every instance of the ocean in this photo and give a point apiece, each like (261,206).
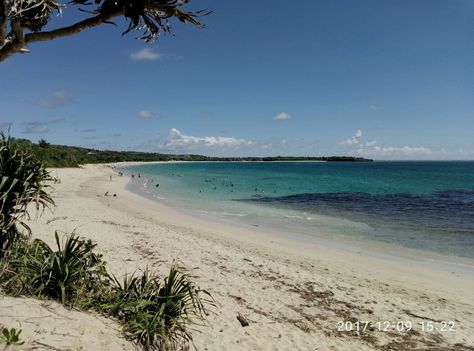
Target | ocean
(424,206)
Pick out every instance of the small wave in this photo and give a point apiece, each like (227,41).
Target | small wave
(293,216)
(220,214)
(229,214)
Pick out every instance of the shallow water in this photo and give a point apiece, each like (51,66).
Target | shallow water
(421,205)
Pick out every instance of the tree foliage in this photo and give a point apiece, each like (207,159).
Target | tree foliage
(22,21)
(43,143)
(73,156)
(22,182)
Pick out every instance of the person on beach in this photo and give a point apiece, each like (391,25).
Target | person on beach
(111,177)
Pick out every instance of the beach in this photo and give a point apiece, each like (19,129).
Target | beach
(296,295)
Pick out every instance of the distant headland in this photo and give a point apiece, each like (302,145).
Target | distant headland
(72,156)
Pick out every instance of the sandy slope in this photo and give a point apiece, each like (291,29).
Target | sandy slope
(293,293)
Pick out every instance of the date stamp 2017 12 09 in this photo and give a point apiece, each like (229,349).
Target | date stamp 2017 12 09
(397,326)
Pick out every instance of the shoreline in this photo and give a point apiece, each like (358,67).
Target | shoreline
(293,294)
(373,248)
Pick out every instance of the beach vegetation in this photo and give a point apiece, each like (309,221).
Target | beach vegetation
(60,274)
(22,22)
(23,182)
(73,156)
(43,143)
(10,337)
(154,313)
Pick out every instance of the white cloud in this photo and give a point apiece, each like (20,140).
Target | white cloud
(282,116)
(146,114)
(353,140)
(58,98)
(178,141)
(373,150)
(145,54)
(392,151)
(374,108)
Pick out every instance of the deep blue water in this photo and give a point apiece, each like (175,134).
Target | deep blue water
(422,205)
(444,211)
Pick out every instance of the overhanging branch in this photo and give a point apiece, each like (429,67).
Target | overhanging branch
(71,30)
(27,18)
(10,48)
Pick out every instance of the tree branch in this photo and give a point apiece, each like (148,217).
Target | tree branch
(3,21)
(10,48)
(74,29)
(18,31)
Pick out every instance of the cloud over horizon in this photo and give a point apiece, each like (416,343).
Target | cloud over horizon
(353,140)
(179,141)
(371,149)
(393,151)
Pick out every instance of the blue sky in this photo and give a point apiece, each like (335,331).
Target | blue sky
(381,79)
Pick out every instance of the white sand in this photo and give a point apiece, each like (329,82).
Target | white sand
(292,293)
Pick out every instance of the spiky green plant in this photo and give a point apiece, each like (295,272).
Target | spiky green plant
(156,314)
(22,182)
(59,274)
(10,337)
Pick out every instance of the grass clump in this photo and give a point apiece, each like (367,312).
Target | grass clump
(154,313)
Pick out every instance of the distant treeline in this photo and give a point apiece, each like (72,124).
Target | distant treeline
(72,156)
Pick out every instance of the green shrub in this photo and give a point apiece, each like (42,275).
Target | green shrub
(22,182)
(155,314)
(60,274)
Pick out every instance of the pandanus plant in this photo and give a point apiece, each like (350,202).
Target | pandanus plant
(22,183)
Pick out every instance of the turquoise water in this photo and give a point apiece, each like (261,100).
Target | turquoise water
(421,205)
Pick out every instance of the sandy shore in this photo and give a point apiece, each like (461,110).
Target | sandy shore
(293,293)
